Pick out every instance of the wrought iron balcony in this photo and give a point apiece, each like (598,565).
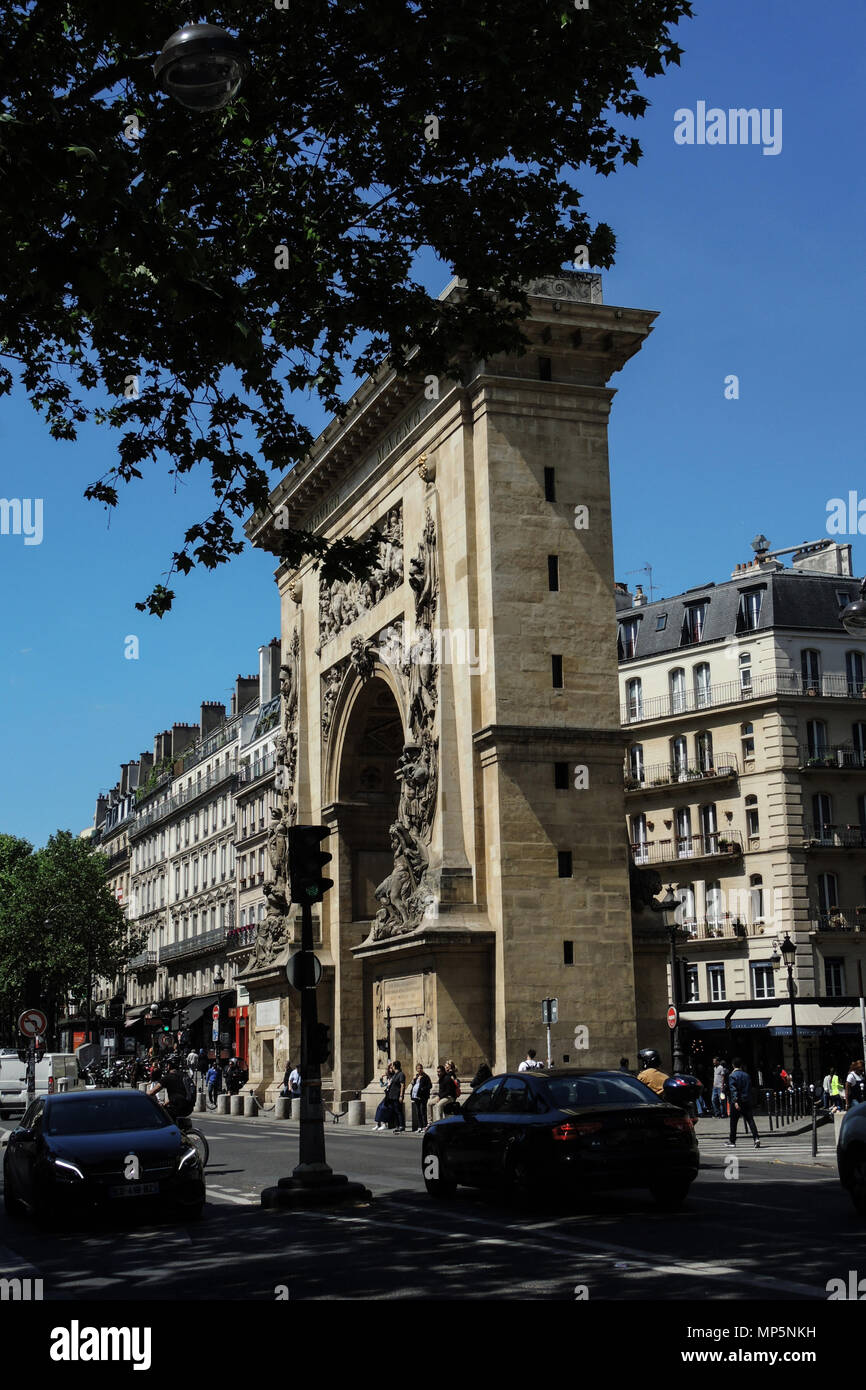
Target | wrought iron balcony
(727,845)
(182,798)
(715,928)
(833,836)
(143,959)
(838,919)
(240,938)
(194,945)
(774,683)
(832,755)
(725,765)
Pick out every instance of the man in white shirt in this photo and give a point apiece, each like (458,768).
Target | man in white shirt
(529,1063)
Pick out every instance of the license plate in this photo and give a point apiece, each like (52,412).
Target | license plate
(135,1189)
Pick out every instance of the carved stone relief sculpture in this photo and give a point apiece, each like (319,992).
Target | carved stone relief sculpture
(342,601)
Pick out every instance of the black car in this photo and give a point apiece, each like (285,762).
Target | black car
(851,1156)
(100,1149)
(576,1130)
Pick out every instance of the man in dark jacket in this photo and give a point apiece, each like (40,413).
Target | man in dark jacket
(740,1092)
(483,1074)
(394,1093)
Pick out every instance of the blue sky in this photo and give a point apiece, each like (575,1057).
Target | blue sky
(755,263)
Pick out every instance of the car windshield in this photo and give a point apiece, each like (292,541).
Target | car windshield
(608,1088)
(104,1114)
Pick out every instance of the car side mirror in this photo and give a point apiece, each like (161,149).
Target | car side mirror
(22,1134)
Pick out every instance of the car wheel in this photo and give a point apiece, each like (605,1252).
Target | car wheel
(436,1179)
(670,1196)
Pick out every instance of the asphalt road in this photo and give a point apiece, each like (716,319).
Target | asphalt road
(773,1229)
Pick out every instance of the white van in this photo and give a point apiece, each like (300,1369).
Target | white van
(55,1071)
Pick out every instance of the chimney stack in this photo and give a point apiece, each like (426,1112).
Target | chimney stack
(212,714)
(269,671)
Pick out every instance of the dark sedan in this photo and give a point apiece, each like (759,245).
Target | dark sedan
(851,1156)
(575,1130)
(100,1149)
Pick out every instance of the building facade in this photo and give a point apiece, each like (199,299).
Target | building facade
(745,785)
(453,719)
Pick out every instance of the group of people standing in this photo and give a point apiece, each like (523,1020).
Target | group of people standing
(839,1095)
(391,1111)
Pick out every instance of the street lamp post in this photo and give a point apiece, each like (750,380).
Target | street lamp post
(668,908)
(853,617)
(219,981)
(788,953)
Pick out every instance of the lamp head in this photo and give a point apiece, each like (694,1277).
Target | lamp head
(202,67)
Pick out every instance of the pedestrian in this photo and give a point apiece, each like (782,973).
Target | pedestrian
(447,1090)
(483,1074)
(837,1091)
(855,1085)
(720,1084)
(422,1085)
(214,1082)
(623,1064)
(529,1063)
(384,1111)
(740,1088)
(396,1091)
(203,1067)
(451,1069)
(825,1089)
(292,1081)
(233,1077)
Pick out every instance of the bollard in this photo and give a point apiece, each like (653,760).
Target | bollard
(223,1105)
(296,1107)
(814,1131)
(283,1108)
(251,1105)
(357,1112)
(142,1085)
(201,1103)
(236,1105)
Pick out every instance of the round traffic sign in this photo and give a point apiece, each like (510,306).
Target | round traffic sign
(673,1016)
(32,1023)
(215,1013)
(303,970)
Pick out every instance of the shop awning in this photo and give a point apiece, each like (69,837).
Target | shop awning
(847,1021)
(814,1019)
(712,1022)
(204,1004)
(135,1015)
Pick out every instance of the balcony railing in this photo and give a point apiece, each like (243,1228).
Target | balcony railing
(680,847)
(725,765)
(779,683)
(841,919)
(252,772)
(194,945)
(834,836)
(144,958)
(174,803)
(834,755)
(240,937)
(209,746)
(716,928)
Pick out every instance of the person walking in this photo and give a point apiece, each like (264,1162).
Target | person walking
(203,1067)
(855,1085)
(384,1112)
(483,1074)
(529,1062)
(395,1093)
(740,1087)
(214,1083)
(233,1077)
(825,1089)
(837,1091)
(422,1085)
(292,1082)
(720,1093)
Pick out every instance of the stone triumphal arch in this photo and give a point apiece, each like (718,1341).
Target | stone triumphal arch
(454,718)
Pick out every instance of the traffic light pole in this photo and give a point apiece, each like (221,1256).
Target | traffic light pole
(312,1142)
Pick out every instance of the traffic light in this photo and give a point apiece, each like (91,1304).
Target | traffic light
(183,1020)
(321,1043)
(306,862)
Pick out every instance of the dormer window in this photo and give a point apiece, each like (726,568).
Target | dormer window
(693,622)
(628,638)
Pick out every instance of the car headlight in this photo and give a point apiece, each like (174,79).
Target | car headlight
(185,1158)
(65,1171)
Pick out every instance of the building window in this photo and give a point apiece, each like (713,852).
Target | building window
(747,739)
(694,619)
(635,762)
(816,738)
(716,982)
(855,673)
(553,573)
(756,897)
(709,828)
(677,679)
(661,622)
(690,980)
(822,816)
(556,671)
(634,698)
(749,610)
(550,484)
(752,819)
(714,899)
(568,953)
(828,892)
(810,666)
(638,838)
(684,833)
(679,758)
(564,862)
(560,776)
(685,913)
(858,737)
(545,369)
(834,976)
(745,674)
(628,638)
(704,749)
(703,695)
(763,980)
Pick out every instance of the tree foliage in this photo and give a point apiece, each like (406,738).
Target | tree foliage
(58,921)
(143,280)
